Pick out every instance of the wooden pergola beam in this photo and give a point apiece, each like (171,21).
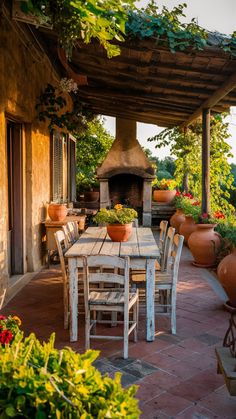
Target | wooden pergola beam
(219,94)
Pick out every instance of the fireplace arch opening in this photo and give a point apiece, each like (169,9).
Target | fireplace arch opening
(126,189)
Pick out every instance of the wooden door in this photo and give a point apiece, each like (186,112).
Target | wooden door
(15,198)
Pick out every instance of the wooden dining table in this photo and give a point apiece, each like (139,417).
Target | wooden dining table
(143,252)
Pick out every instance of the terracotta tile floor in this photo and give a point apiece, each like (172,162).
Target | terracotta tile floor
(176,374)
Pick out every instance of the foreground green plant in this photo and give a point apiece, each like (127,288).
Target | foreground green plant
(39,381)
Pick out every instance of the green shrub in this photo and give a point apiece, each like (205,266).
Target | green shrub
(39,381)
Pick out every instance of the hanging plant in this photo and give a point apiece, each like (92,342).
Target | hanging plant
(52,104)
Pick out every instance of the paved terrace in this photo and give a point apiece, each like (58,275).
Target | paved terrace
(176,374)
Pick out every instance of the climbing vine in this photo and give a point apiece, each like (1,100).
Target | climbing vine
(83,20)
(52,106)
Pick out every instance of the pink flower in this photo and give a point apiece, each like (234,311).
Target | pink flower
(2,317)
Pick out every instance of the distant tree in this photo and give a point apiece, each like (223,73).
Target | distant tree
(91,149)
(186,146)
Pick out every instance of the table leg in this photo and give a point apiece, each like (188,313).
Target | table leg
(73,299)
(150,298)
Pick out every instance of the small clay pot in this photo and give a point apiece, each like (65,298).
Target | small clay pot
(164,196)
(226,273)
(91,196)
(177,219)
(57,212)
(119,232)
(204,244)
(187,228)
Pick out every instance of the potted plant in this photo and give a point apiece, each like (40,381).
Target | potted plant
(118,221)
(90,189)
(164,190)
(178,217)
(226,270)
(204,243)
(191,209)
(57,211)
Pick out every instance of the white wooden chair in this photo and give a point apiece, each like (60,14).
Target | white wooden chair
(71,232)
(62,247)
(166,248)
(109,300)
(161,241)
(166,282)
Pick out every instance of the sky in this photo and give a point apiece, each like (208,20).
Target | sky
(214,15)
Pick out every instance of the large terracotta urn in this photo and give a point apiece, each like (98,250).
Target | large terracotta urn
(204,244)
(119,232)
(187,227)
(226,273)
(57,212)
(177,219)
(164,196)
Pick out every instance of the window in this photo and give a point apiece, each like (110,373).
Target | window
(63,168)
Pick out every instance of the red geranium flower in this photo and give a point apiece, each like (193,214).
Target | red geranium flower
(2,317)
(6,336)
(219,215)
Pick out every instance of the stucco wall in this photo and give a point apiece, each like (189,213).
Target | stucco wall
(25,70)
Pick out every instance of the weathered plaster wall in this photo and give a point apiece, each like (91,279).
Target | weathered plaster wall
(25,70)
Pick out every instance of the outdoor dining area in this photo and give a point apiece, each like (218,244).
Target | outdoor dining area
(176,372)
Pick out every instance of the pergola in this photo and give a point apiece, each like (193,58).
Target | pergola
(150,84)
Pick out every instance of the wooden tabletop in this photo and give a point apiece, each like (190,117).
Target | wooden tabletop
(95,240)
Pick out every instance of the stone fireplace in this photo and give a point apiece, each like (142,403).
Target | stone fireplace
(126,174)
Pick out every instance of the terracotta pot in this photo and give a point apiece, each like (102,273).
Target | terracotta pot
(187,227)
(226,272)
(204,243)
(119,232)
(57,212)
(177,219)
(164,196)
(91,196)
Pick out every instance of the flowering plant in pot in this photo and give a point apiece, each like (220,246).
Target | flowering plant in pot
(9,327)
(118,220)
(204,242)
(179,217)
(164,190)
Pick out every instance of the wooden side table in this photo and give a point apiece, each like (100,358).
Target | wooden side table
(53,226)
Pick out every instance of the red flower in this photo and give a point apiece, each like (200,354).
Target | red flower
(219,215)
(2,317)
(188,195)
(196,203)
(5,337)
(204,215)
(178,193)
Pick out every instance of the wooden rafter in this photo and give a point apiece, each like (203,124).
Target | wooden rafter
(218,95)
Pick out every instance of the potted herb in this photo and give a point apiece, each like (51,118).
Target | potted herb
(164,190)
(118,221)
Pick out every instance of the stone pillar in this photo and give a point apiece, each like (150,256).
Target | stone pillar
(104,193)
(147,202)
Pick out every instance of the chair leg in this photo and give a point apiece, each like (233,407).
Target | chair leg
(135,319)
(126,335)
(66,305)
(87,330)
(173,312)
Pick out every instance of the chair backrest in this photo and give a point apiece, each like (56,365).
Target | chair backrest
(167,247)
(62,247)
(174,259)
(71,232)
(93,273)
(162,236)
